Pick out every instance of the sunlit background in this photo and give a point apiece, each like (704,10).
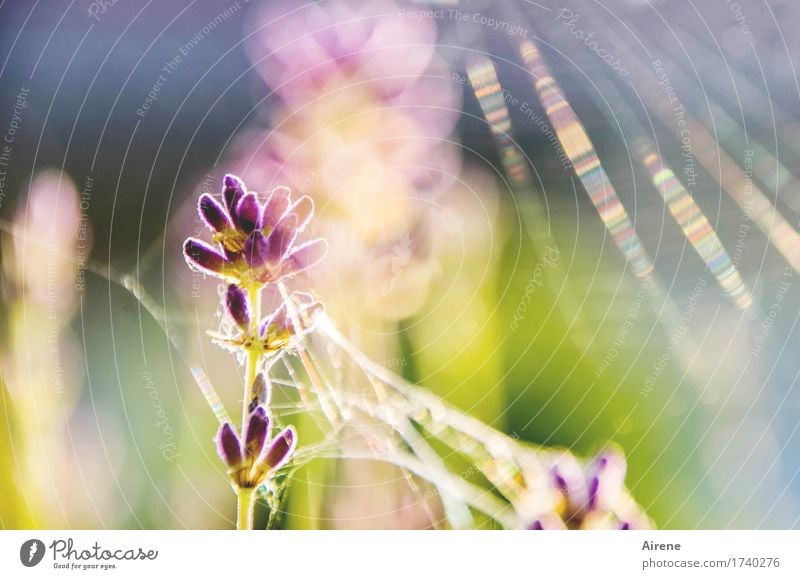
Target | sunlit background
(641,291)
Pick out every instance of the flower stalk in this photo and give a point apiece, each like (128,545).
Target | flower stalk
(254,351)
(245,507)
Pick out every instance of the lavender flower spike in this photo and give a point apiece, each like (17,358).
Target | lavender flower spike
(252,243)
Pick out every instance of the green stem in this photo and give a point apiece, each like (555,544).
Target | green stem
(254,352)
(245,499)
(250,376)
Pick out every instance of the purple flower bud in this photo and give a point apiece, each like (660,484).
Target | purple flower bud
(255,250)
(560,482)
(246,216)
(606,479)
(303,257)
(228,446)
(281,238)
(279,325)
(204,258)
(625,526)
(256,432)
(569,478)
(277,322)
(594,487)
(232,191)
(275,207)
(546,522)
(281,449)
(213,213)
(261,392)
(303,208)
(236,304)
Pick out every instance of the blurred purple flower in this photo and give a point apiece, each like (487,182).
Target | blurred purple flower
(339,66)
(594,496)
(302,49)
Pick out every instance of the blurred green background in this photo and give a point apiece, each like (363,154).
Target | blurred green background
(103,424)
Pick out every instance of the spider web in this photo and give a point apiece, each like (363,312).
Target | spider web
(481,477)
(366,412)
